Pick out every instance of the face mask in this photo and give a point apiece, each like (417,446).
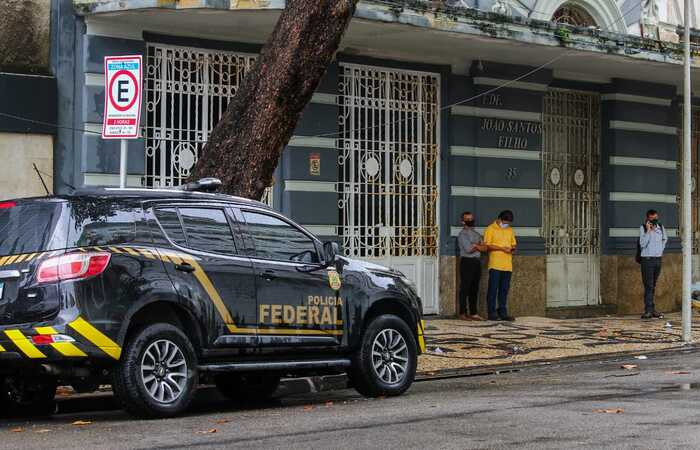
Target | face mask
(469,223)
(504,225)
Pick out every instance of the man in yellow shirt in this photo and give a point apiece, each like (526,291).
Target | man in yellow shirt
(499,239)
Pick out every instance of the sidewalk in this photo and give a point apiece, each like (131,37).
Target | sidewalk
(457,344)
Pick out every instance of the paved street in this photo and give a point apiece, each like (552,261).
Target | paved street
(595,404)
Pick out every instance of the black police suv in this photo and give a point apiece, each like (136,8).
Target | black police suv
(157,291)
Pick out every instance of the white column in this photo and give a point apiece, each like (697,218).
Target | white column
(687,185)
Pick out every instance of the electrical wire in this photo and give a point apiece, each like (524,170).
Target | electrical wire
(48,124)
(475,97)
(466,100)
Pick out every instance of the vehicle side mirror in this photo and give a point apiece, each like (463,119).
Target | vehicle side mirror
(330,251)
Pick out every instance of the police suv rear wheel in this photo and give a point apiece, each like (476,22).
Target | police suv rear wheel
(157,375)
(247,387)
(386,362)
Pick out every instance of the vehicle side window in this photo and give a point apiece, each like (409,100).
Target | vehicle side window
(170,221)
(276,239)
(102,223)
(208,230)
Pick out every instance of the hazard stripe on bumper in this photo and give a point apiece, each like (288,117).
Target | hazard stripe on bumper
(95,336)
(421,338)
(64,348)
(24,344)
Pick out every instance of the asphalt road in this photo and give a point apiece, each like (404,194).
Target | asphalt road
(556,406)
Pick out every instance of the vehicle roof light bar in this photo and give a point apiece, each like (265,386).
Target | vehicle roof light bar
(202,185)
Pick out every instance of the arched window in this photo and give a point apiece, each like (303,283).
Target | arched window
(573,15)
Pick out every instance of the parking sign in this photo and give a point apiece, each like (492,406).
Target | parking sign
(122,97)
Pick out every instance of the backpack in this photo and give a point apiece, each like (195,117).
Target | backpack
(638,255)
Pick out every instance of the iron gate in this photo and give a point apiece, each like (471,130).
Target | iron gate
(187,91)
(571,197)
(388,157)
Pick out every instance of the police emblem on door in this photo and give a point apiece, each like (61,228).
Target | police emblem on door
(334,280)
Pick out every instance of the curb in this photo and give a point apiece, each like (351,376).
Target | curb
(80,403)
(538,363)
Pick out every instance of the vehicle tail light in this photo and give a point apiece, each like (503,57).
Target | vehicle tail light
(48,339)
(72,266)
(7,205)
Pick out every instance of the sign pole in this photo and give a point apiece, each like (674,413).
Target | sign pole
(122,162)
(687,186)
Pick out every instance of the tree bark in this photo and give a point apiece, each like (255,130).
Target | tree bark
(245,146)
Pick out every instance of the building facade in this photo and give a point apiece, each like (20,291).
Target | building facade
(28,93)
(567,113)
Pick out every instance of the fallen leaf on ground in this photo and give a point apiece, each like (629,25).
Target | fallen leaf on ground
(629,366)
(220,421)
(640,357)
(80,423)
(213,430)
(42,431)
(679,372)
(17,430)
(308,408)
(64,390)
(609,411)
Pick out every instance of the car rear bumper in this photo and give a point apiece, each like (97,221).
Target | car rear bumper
(72,340)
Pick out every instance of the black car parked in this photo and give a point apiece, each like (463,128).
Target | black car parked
(155,291)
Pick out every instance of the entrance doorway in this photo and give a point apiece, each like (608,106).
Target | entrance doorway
(695,199)
(388,158)
(571,197)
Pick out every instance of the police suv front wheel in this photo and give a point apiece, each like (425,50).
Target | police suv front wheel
(387,359)
(157,375)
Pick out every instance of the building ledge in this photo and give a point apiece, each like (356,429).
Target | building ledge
(423,14)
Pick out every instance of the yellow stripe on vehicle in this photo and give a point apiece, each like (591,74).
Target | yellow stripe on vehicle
(421,338)
(95,336)
(20,258)
(115,250)
(147,253)
(2,349)
(98,249)
(11,259)
(131,251)
(211,291)
(298,331)
(30,257)
(64,348)
(3,260)
(24,344)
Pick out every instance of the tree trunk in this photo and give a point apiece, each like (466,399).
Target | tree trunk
(245,146)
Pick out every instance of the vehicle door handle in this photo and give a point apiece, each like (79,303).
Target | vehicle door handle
(184,267)
(268,275)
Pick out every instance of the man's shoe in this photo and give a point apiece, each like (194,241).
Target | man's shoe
(494,318)
(507,319)
(464,317)
(657,315)
(646,315)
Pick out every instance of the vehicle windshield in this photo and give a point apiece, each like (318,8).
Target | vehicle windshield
(31,227)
